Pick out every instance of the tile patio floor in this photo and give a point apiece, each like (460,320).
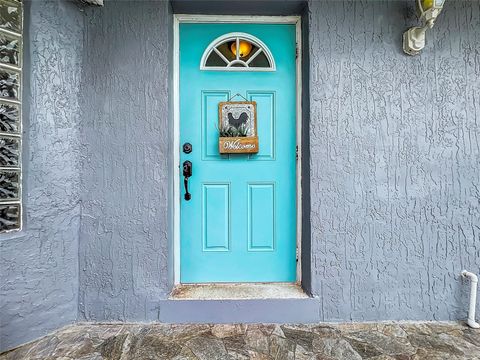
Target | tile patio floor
(374,341)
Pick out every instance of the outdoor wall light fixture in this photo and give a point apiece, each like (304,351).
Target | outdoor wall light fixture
(414,38)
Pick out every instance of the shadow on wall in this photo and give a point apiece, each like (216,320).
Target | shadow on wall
(239,7)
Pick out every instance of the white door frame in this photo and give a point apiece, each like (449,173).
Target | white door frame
(186,18)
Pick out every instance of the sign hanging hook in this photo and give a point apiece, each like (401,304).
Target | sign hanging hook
(237,94)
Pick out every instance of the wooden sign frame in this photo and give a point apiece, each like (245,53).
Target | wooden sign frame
(238,144)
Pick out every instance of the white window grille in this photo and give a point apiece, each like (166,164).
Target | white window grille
(222,54)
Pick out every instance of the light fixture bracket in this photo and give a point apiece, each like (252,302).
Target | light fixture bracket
(414,38)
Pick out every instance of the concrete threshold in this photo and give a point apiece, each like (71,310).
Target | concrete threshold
(244,291)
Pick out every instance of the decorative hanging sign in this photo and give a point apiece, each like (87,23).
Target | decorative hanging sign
(237,125)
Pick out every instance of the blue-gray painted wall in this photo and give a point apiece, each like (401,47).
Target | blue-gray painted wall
(39,266)
(394,168)
(395,161)
(125,151)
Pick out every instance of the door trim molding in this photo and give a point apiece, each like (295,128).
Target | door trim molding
(194,18)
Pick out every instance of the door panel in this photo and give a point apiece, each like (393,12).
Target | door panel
(216,217)
(266,128)
(261,217)
(210,101)
(240,224)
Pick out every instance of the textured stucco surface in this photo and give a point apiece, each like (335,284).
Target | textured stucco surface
(125,136)
(394,165)
(39,266)
(395,161)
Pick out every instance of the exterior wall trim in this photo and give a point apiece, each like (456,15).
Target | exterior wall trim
(194,18)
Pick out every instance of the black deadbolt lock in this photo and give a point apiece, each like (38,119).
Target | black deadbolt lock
(187,148)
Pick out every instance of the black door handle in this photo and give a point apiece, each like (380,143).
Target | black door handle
(187,172)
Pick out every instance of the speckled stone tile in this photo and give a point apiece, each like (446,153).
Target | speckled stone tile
(357,341)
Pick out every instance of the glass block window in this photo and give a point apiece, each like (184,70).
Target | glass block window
(11,16)
(237,52)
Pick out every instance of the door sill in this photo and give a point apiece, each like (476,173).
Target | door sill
(243,291)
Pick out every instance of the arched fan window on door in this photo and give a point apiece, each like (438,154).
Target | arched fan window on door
(237,52)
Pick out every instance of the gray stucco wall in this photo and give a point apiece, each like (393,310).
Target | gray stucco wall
(125,177)
(395,161)
(39,266)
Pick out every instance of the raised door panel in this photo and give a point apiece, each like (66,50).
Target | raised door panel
(265,123)
(216,217)
(210,101)
(261,217)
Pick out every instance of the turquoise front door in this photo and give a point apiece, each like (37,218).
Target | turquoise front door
(240,223)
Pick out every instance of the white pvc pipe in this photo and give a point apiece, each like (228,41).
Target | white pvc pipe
(473,299)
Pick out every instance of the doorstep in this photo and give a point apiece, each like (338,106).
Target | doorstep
(243,291)
(239,303)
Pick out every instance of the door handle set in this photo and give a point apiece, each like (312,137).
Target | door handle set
(187,170)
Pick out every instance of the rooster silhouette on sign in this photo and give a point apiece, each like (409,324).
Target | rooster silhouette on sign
(242,119)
